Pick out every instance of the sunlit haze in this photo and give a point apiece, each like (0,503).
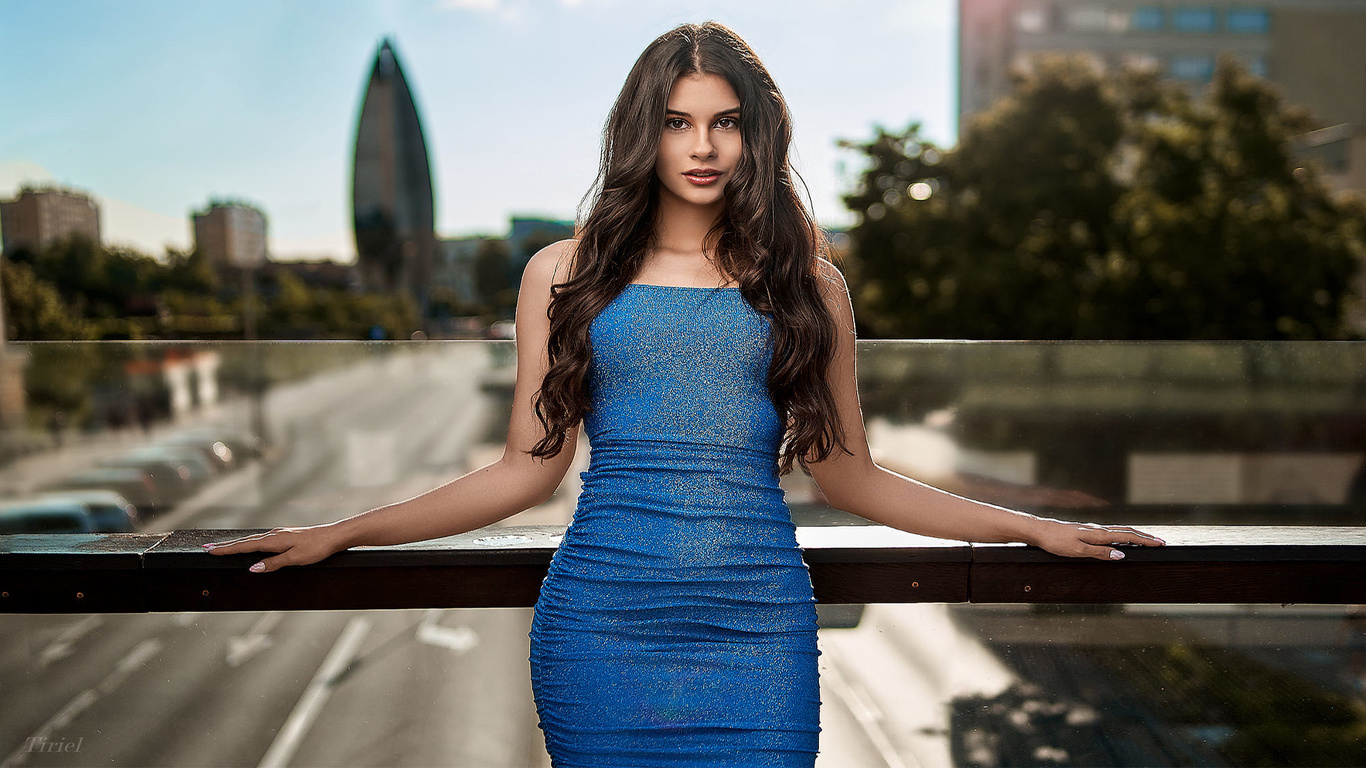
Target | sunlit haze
(154,107)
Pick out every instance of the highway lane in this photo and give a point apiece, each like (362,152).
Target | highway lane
(418,688)
(367,688)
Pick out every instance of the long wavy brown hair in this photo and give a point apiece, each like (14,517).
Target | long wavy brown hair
(765,240)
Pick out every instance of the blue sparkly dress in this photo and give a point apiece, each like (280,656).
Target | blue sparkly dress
(676,625)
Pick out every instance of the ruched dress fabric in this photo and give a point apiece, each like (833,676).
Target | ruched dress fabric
(676,625)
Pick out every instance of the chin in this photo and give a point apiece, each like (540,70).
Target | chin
(699,196)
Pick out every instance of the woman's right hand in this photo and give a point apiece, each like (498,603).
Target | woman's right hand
(296,546)
(1069,539)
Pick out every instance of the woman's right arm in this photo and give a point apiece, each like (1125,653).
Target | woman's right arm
(515,482)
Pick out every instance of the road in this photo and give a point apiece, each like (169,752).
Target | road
(400,688)
(417,688)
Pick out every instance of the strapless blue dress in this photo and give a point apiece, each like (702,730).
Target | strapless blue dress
(676,625)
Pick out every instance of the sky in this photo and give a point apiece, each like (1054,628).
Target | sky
(154,107)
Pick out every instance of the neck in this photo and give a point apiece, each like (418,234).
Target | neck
(681,227)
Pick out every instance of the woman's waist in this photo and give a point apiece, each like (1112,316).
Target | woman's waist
(720,566)
(676,491)
(665,453)
(713,422)
(671,537)
(694,568)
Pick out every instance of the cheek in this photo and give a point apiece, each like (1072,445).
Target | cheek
(669,146)
(664,168)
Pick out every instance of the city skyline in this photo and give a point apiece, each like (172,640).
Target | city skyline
(153,113)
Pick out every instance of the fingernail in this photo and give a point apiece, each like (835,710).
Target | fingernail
(207,546)
(258,567)
(1115,554)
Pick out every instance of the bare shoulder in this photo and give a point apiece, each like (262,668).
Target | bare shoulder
(831,277)
(550,265)
(835,291)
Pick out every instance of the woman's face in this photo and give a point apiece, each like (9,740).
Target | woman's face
(701,132)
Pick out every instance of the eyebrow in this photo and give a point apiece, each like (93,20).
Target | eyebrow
(731,111)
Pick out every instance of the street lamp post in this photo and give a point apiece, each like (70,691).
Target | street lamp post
(248,260)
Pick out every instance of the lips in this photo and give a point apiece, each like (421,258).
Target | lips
(702,177)
(701,181)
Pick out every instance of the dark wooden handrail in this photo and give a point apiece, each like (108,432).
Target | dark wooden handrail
(504,566)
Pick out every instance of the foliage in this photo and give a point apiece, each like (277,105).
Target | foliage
(189,272)
(75,289)
(445,302)
(492,281)
(1278,717)
(1105,206)
(297,310)
(33,307)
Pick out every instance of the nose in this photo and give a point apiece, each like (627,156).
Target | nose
(703,146)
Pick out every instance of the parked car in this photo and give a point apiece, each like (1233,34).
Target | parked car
(243,445)
(131,483)
(45,516)
(215,450)
(172,478)
(199,468)
(111,512)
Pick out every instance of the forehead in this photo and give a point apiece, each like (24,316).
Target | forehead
(704,93)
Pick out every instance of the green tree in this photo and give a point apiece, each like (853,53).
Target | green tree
(100,282)
(293,304)
(34,310)
(1105,206)
(491,280)
(188,271)
(61,377)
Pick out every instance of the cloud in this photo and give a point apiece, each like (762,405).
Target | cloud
(16,173)
(120,223)
(147,231)
(338,246)
(125,224)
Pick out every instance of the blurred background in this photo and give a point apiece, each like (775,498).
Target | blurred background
(259,268)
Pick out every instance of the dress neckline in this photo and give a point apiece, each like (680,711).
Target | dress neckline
(688,287)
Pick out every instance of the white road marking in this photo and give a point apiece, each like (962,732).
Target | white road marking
(85,699)
(129,664)
(256,639)
(864,710)
(292,733)
(458,639)
(60,647)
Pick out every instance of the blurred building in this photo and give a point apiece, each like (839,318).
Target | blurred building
(40,216)
(1315,50)
(455,268)
(392,186)
(231,234)
(530,235)
(458,257)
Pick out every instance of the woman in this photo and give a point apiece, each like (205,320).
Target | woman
(695,332)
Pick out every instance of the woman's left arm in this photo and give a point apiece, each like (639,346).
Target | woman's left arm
(856,484)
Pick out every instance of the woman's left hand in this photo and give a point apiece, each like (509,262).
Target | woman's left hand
(1062,537)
